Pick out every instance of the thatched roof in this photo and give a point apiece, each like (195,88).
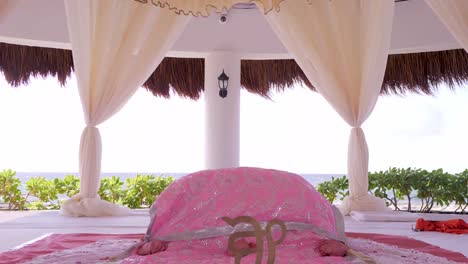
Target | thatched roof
(415,72)
(405,73)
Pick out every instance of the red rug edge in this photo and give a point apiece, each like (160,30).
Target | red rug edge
(411,243)
(55,242)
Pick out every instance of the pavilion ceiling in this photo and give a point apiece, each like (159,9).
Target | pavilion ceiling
(405,73)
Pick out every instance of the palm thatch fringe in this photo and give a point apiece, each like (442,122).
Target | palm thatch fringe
(186,77)
(415,72)
(261,76)
(420,73)
(424,72)
(20,63)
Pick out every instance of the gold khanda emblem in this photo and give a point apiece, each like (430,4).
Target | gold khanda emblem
(259,235)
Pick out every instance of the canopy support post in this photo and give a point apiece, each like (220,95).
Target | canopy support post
(222,115)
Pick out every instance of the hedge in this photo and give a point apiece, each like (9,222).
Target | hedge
(399,186)
(42,194)
(395,185)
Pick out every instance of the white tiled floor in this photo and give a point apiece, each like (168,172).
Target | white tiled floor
(19,227)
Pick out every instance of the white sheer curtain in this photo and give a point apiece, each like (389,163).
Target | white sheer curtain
(454,14)
(342,47)
(116,46)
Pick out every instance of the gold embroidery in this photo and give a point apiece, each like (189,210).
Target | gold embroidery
(205,10)
(258,233)
(271,243)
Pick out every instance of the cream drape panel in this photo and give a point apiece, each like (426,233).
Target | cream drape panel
(342,47)
(116,45)
(454,14)
(206,7)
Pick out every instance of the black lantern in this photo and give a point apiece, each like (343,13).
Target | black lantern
(223,81)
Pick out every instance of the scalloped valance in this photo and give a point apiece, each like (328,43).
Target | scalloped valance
(206,7)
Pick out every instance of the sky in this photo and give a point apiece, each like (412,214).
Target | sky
(297,131)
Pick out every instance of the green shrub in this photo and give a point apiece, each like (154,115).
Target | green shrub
(379,183)
(69,185)
(43,194)
(459,188)
(10,191)
(405,182)
(111,189)
(337,187)
(434,188)
(143,189)
(45,191)
(394,185)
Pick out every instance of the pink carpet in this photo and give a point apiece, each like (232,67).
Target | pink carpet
(60,242)
(409,243)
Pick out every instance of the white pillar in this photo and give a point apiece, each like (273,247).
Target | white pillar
(222,115)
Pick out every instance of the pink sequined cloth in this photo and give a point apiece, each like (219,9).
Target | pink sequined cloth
(199,200)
